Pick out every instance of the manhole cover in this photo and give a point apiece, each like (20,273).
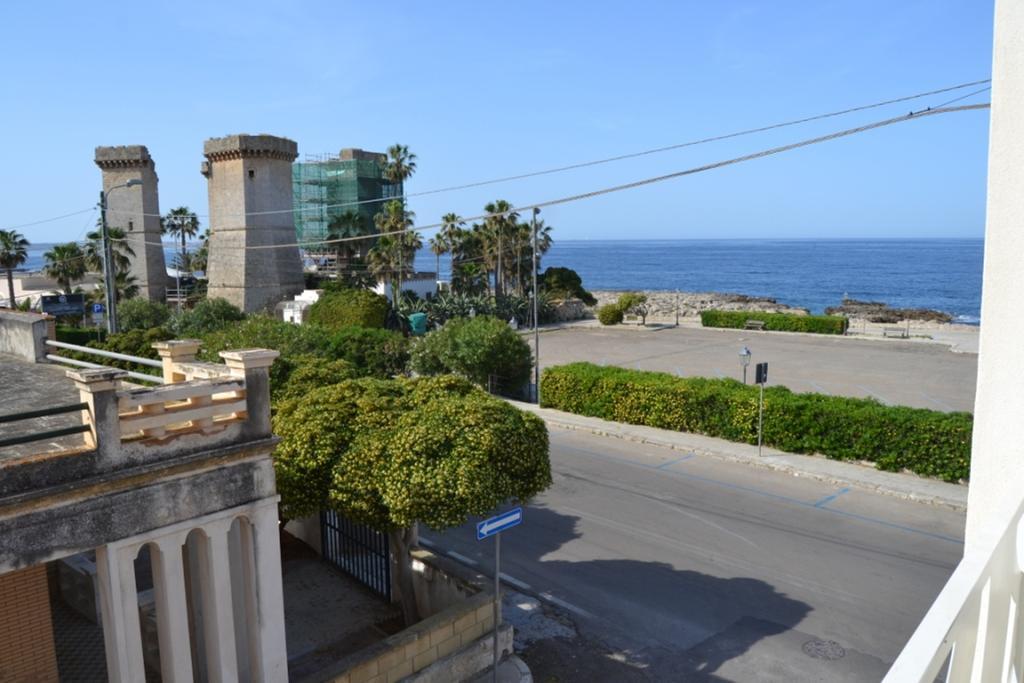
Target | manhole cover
(824,649)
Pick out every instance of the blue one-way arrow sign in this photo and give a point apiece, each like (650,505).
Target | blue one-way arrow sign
(499,523)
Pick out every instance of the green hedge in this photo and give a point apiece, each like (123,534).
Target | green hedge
(80,335)
(777,322)
(927,442)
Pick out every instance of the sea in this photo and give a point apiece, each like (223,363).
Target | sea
(939,274)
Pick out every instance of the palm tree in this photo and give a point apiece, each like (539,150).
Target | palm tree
(449,236)
(401,247)
(400,166)
(13,253)
(202,254)
(126,286)
(119,248)
(497,228)
(345,226)
(182,223)
(65,263)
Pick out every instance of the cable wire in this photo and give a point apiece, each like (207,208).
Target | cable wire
(621,157)
(639,183)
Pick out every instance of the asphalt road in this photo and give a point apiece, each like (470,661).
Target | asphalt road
(690,568)
(917,374)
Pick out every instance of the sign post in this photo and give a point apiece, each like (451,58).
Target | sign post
(493,527)
(760,376)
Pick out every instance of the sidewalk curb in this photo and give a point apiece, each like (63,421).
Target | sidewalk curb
(843,473)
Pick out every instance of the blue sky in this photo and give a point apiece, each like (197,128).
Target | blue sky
(481,90)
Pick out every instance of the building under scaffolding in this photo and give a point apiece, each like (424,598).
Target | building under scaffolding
(326,186)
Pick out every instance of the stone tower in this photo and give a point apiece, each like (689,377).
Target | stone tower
(250,189)
(136,210)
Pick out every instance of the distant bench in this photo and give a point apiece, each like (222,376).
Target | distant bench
(894,332)
(754,325)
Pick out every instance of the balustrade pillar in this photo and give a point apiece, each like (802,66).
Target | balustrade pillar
(172,610)
(98,389)
(119,607)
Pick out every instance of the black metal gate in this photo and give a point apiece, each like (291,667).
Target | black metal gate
(358,550)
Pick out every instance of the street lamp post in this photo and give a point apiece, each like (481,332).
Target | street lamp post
(536,331)
(109,277)
(745,361)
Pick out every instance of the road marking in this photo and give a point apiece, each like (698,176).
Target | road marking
(462,558)
(674,462)
(764,494)
(521,585)
(566,605)
(941,404)
(873,394)
(828,499)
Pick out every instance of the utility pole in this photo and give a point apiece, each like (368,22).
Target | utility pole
(536,297)
(109,280)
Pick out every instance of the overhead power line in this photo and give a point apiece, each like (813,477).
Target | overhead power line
(637,183)
(622,157)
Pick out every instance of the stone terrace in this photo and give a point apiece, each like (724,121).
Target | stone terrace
(31,386)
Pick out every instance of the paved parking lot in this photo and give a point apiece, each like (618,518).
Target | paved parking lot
(912,373)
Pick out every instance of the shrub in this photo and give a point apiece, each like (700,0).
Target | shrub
(565,283)
(927,442)
(80,335)
(340,307)
(141,314)
(777,322)
(209,315)
(312,372)
(261,331)
(484,350)
(610,314)
(132,343)
(370,352)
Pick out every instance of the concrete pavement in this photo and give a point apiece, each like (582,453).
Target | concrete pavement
(686,567)
(896,372)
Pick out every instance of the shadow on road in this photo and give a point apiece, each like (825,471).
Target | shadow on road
(669,623)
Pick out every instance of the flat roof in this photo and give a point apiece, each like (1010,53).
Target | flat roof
(31,386)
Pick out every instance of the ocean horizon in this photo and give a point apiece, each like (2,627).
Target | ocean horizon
(942,274)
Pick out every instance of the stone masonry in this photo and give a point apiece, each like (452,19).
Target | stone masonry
(250,190)
(136,210)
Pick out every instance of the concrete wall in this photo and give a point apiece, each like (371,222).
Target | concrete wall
(452,645)
(997,458)
(136,210)
(27,651)
(22,335)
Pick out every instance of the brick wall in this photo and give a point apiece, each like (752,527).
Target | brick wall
(26,632)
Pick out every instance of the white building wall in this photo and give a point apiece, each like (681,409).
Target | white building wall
(997,465)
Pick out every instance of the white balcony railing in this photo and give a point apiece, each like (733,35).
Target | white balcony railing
(973,630)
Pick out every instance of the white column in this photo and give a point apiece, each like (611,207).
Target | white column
(269,612)
(997,475)
(172,610)
(218,613)
(119,606)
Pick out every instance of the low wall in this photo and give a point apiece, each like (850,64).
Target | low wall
(23,335)
(451,644)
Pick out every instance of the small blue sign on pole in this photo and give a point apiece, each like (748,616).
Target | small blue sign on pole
(499,523)
(98,308)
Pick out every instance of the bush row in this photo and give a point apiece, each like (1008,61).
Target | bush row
(927,442)
(777,322)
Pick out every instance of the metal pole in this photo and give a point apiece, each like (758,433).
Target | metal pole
(536,296)
(108,268)
(760,419)
(497,600)
(744,374)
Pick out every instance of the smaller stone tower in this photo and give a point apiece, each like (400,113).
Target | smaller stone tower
(250,190)
(136,210)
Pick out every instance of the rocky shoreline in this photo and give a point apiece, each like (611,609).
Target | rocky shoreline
(663,306)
